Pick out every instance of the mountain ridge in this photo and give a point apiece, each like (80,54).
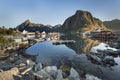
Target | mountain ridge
(113,24)
(32,27)
(82,21)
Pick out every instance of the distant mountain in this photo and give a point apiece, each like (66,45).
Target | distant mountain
(113,24)
(82,21)
(32,27)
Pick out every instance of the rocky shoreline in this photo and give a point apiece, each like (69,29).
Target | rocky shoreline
(13,62)
(20,66)
(17,65)
(104,53)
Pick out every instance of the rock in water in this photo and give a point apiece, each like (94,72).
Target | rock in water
(109,60)
(118,51)
(91,77)
(48,69)
(38,67)
(44,75)
(102,46)
(52,71)
(95,58)
(59,75)
(30,63)
(74,74)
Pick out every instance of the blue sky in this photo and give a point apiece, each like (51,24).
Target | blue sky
(14,12)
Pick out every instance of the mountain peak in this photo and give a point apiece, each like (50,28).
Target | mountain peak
(81,12)
(85,16)
(27,21)
(82,21)
(32,27)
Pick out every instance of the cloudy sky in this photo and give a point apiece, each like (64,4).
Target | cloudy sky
(14,12)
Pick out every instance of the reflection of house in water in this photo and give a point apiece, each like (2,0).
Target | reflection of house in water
(37,34)
(43,34)
(86,34)
(102,35)
(53,36)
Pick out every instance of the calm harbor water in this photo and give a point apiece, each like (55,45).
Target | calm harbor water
(74,55)
(50,54)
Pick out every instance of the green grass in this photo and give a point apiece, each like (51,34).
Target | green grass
(4,40)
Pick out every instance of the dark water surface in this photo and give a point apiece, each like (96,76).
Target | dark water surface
(74,55)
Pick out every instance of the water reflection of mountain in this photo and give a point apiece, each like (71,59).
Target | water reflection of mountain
(78,45)
(81,45)
(89,44)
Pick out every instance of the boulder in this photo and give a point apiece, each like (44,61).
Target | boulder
(38,67)
(8,75)
(48,69)
(114,45)
(6,65)
(118,51)
(29,75)
(74,75)
(22,64)
(111,52)
(52,71)
(109,60)
(3,55)
(95,58)
(44,75)
(26,70)
(101,46)
(31,63)
(91,77)
(59,75)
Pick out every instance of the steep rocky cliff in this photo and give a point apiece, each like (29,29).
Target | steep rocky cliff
(82,21)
